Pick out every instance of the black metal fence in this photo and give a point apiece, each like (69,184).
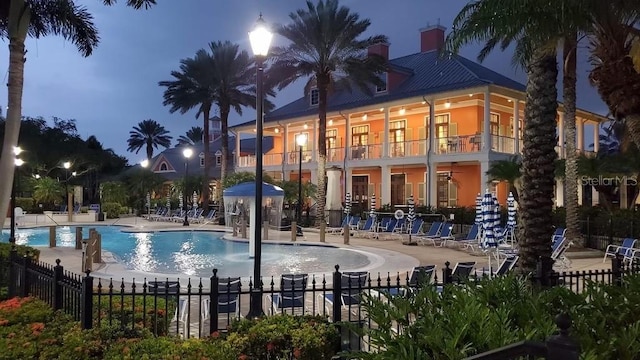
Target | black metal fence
(200,307)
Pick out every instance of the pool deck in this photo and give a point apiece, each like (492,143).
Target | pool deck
(397,258)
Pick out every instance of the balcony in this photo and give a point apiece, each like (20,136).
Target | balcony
(364,152)
(503,144)
(459,144)
(408,148)
(562,152)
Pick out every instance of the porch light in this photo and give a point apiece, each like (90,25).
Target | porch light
(305,126)
(447,104)
(381,109)
(364,117)
(402,111)
(276,130)
(331,122)
(17,150)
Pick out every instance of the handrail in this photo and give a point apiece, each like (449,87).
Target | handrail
(514,351)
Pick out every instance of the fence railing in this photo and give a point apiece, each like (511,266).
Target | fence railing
(200,307)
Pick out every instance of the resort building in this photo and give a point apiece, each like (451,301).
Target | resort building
(432,131)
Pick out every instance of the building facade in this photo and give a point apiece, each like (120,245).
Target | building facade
(432,131)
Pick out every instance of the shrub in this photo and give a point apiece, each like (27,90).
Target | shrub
(147,312)
(113,210)
(27,204)
(22,250)
(305,337)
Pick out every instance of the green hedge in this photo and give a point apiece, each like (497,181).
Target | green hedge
(113,210)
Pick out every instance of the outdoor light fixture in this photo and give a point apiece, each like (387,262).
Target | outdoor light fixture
(187,154)
(305,126)
(17,162)
(330,122)
(447,104)
(402,111)
(260,38)
(364,117)
(144,163)
(67,165)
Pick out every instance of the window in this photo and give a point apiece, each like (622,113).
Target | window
(383,88)
(332,135)
(201,156)
(442,132)
(218,158)
(314,97)
(305,147)
(163,167)
(494,124)
(520,127)
(397,137)
(359,141)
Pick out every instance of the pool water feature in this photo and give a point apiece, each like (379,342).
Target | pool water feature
(196,253)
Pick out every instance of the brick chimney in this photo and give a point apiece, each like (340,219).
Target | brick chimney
(381,49)
(432,38)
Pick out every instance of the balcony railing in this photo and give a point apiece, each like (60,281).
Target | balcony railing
(294,157)
(408,148)
(503,144)
(562,152)
(458,144)
(364,152)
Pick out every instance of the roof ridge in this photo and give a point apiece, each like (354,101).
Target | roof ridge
(457,58)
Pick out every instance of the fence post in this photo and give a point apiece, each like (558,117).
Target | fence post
(87,301)
(213,304)
(13,276)
(57,286)
(562,346)
(447,273)
(610,229)
(337,293)
(617,264)
(26,261)
(589,240)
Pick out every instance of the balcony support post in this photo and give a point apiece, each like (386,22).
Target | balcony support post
(580,134)
(314,143)
(486,122)
(237,149)
(516,126)
(385,139)
(385,196)
(484,180)
(285,144)
(596,137)
(561,144)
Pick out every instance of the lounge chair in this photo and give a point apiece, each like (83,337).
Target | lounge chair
(507,264)
(336,230)
(462,271)
(351,285)
(471,240)
(626,249)
(389,229)
(420,276)
(291,295)
(367,229)
(434,231)
(446,233)
(228,293)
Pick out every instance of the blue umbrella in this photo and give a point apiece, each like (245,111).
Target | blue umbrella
(488,221)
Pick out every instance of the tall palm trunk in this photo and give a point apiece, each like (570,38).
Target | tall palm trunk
(206,111)
(571,163)
(19,18)
(224,120)
(149,148)
(323,84)
(536,200)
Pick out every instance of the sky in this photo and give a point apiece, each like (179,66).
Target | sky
(117,86)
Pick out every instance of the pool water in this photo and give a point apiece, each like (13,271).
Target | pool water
(196,253)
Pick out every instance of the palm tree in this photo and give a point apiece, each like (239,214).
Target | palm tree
(48,191)
(494,22)
(148,134)
(38,18)
(325,45)
(224,76)
(193,137)
(509,171)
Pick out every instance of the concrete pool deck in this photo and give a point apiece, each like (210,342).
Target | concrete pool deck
(396,257)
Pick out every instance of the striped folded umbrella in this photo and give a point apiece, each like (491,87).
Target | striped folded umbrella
(195,199)
(511,211)
(412,210)
(347,204)
(497,224)
(180,202)
(168,201)
(478,209)
(148,202)
(488,221)
(372,211)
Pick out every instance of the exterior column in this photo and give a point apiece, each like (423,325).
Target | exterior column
(595,197)
(285,145)
(561,145)
(486,124)
(347,139)
(559,192)
(516,126)
(484,180)
(580,134)
(596,137)
(432,185)
(385,196)
(237,154)
(580,195)
(385,143)
(314,143)
(348,183)
(432,127)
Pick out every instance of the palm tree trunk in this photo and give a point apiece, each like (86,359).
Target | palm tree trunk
(206,111)
(571,163)
(633,124)
(18,25)
(538,159)
(224,119)
(149,149)
(323,84)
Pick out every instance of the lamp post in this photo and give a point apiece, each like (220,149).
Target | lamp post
(187,154)
(144,163)
(260,38)
(67,166)
(301,140)
(17,162)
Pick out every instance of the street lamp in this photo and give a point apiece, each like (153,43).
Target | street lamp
(17,162)
(145,163)
(187,154)
(301,140)
(260,38)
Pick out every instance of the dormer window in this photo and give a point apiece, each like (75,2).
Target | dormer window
(383,87)
(218,158)
(163,167)
(314,97)
(201,156)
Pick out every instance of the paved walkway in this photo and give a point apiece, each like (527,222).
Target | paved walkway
(396,257)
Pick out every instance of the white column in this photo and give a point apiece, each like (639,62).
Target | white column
(432,185)
(596,137)
(580,189)
(314,144)
(347,138)
(595,197)
(334,195)
(484,167)
(561,134)
(432,126)
(623,195)
(385,196)
(559,192)
(348,183)
(252,235)
(314,176)
(486,124)
(237,155)
(385,142)
(580,134)
(285,144)
(516,126)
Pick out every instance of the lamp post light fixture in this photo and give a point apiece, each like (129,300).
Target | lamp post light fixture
(187,154)
(145,163)
(301,140)
(17,162)
(260,38)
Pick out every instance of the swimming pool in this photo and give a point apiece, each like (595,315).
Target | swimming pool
(196,253)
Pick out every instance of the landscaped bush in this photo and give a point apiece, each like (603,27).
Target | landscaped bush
(5,248)
(27,204)
(113,210)
(153,314)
